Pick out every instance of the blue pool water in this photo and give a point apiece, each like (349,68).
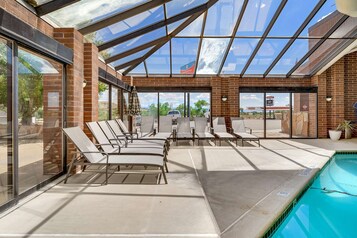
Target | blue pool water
(329,207)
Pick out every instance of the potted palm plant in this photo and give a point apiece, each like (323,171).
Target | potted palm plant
(347,127)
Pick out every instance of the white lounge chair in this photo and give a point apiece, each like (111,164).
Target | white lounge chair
(184,131)
(201,129)
(240,130)
(89,154)
(220,130)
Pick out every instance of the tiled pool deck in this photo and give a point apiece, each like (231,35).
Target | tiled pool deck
(213,191)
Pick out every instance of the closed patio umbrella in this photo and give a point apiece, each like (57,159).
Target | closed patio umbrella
(134,103)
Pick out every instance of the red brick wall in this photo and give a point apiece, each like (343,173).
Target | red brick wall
(90,95)
(350,87)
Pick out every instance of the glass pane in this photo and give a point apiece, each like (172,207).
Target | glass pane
(304,115)
(139,70)
(222,17)
(40,118)
(115,103)
(178,6)
(266,55)
(127,26)
(148,103)
(211,55)
(277,115)
(238,55)
(296,51)
(130,57)
(140,40)
(256,17)
(184,53)
(200,106)
(172,104)
(193,29)
(326,15)
(86,12)
(292,9)
(251,108)
(322,52)
(103,101)
(6,159)
(173,26)
(159,62)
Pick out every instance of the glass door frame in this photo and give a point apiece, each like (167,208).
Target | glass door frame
(290,91)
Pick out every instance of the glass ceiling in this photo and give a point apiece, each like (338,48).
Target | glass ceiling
(208,37)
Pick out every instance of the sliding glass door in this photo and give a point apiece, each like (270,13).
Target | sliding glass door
(280,113)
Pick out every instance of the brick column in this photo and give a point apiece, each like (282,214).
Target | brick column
(90,92)
(321,82)
(74,40)
(337,93)
(216,95)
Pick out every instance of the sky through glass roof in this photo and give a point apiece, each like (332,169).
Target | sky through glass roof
(209,37)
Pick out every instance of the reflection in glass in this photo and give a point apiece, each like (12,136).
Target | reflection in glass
(86,12)
(178,6)
(126,108)
(115,103)
(211,55)
(277,115)
(257,17)
(103,101)
(266,55)
(292,9)
(194,28)
(6,159)
(159,62)
(304,115)
(222,17)
(238,55)
(251,109)
(40,118)
(127,26)
(140,40)
(184,53)
(171,27)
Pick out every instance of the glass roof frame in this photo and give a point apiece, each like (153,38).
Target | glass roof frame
(190,15)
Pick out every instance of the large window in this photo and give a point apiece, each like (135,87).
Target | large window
(280,113)
(103,101)
(32,153)
(115,103)
(6,135)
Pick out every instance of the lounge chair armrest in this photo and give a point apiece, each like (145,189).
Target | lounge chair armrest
(230,130)
(211,130)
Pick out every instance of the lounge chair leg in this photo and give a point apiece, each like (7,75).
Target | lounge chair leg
(167,170)
(158,181)
(118,167)
(106,174)
(70,169)
(163,174)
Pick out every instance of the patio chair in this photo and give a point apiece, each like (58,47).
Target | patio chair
(220,130)
(240,130)
(183,131)
(115,136)
(201,129)
(147,126)
(125,130)
(165,128)
(89,154)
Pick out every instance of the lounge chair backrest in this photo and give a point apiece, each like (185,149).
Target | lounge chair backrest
(108,132)
(83,144)
(183,125)
(147,124)
(165,124)
(115,127)
(100,137)
(200,124)
(219,124)
(122,125)
(238,124)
